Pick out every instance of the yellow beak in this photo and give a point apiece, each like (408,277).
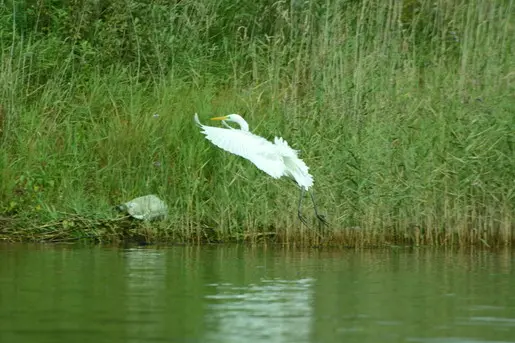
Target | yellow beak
(220,118)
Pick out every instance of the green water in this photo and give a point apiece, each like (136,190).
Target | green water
(245,294)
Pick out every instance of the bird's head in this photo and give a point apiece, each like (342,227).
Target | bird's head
(235,118)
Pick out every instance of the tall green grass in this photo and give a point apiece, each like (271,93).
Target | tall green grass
(404,111)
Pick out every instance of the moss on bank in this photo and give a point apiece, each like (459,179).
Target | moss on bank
(127,230)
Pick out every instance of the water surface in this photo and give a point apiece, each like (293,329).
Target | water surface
(243,294)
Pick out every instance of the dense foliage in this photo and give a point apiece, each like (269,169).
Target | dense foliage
(402,109)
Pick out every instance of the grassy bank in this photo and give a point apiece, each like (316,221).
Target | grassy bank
(403,111)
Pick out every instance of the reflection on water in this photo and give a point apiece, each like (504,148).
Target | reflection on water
(269,311)
(245,294)
(145,283)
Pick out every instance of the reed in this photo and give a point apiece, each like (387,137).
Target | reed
(402,110)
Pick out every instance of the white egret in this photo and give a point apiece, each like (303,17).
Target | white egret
(276,159)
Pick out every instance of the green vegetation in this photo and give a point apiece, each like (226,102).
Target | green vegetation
(404,110)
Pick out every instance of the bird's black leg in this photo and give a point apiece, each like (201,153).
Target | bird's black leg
(301,217)
(320,217)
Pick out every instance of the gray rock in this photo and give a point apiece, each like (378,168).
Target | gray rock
(148,207)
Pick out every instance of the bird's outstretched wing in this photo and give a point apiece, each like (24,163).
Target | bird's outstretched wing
(262,153)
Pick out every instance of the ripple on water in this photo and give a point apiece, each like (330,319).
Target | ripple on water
(453,340)
(271,310)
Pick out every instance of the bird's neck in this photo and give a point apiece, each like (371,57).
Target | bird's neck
(242,123)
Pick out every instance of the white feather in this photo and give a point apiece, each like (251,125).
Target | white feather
(276,159)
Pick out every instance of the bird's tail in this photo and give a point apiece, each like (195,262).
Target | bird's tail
(300,172)
(295,166)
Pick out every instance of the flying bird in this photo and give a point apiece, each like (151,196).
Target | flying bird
(277,159)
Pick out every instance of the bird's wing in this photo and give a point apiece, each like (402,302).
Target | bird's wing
(256,149)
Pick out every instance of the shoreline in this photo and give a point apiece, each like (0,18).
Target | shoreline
(126,230)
